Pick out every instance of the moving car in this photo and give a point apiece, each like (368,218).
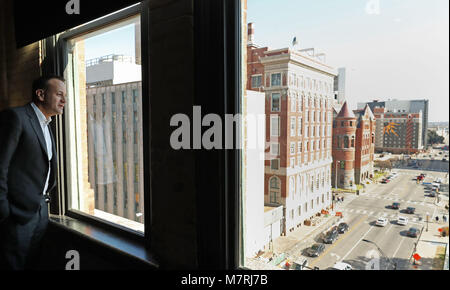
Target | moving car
(342,266)
(395,205)
(315,250)
(412,232)
(401,220)
(381,222)
(410,210)
(342,228)
(331,237)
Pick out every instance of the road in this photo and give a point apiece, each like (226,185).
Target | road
(363,211)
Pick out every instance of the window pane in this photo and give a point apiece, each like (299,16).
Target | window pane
(104,118)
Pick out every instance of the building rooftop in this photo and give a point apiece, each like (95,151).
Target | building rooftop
(345,112)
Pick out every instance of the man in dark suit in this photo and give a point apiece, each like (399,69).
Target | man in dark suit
(27,172)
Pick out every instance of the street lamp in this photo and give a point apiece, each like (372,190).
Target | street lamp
(382,253)
(428,214)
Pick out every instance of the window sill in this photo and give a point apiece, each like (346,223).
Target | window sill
(112,241)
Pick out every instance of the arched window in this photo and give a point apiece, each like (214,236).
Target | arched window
(345,141)
(274,183)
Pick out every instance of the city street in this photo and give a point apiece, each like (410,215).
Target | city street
(361,214)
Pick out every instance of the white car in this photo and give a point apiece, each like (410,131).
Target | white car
(381,222)
(401,220)
(342,266)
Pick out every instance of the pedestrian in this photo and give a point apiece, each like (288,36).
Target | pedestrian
(342,199)
(28,153)
(437,219)
(444,217)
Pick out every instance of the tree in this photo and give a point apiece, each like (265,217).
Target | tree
(434,138)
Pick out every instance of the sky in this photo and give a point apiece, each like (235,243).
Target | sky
(101,45)
(392,49)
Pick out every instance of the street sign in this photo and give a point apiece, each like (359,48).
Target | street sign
(417,257)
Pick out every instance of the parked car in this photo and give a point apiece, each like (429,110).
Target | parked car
(401,220)
(412,232)
(381,222)
(386,180)
(410,210)
(395,205)
(432,194)
(342,228)
(331,237)
(342,266)
(316,250)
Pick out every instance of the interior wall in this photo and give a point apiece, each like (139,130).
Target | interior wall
(18,67)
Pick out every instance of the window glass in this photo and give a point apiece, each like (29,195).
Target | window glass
(104,123)
(276,80)
(256,81)
(275,102)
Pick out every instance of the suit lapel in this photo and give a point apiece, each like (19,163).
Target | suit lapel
(37,128)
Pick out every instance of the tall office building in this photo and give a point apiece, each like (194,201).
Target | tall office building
(398,132)
(404,106)
(339,85)
(298,90)
(115,149)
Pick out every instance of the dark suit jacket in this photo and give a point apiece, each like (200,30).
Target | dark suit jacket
(23,164)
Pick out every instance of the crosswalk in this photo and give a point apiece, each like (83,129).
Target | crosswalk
(377,214)
(423,203)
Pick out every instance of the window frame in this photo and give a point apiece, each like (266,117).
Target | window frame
(61,53)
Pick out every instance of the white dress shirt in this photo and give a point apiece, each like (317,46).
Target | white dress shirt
(44,122)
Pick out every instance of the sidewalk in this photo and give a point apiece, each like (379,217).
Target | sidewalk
(433,248)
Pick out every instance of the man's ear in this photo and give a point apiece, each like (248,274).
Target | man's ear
(40,93)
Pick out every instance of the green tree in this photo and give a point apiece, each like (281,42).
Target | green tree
(434,138)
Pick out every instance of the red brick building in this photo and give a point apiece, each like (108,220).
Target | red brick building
(353,146)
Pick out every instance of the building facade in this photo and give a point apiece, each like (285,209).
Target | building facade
(398,132)
(114,139)
(404,106)
(353,146)
(298,103)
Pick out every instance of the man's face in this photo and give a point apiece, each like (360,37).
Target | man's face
(54,98)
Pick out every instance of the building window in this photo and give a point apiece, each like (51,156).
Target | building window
(300,147)
(292,147)
(275,126)
(299,210)
(293,104)
(293,123)
(256,81)
(353,141)
(275,149)
(345,141)
(275,164)
(274,197)
(92,150)
(276,102)
(276,80)
(300,129)
(274,183)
